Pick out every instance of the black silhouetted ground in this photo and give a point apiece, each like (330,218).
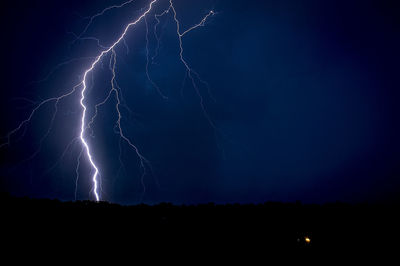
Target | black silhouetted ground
(202,228)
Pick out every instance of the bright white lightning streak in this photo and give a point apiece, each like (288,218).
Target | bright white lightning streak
(83,119)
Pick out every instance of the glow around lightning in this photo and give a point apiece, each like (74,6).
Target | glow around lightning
(85,123)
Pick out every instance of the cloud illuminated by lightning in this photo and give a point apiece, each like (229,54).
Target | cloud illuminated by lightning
(85,121)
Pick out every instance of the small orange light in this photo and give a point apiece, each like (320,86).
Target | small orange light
(308,240)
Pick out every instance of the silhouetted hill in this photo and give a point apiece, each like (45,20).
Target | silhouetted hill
(207,227)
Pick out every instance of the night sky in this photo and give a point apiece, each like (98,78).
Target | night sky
(306,102)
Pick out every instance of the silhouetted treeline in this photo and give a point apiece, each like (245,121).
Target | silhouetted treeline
(208,226)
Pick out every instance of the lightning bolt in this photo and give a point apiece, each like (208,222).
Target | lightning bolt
(83,119)
(115,91)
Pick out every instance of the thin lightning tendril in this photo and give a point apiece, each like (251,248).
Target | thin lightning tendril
(34,111)
(148,61)
(72,142)
(142,159)
(98,15)
(156,17)
(190,72)
(78,164)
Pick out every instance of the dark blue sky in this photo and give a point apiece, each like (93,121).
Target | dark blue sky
(306,102)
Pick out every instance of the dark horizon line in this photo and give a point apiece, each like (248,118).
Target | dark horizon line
(4,196)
